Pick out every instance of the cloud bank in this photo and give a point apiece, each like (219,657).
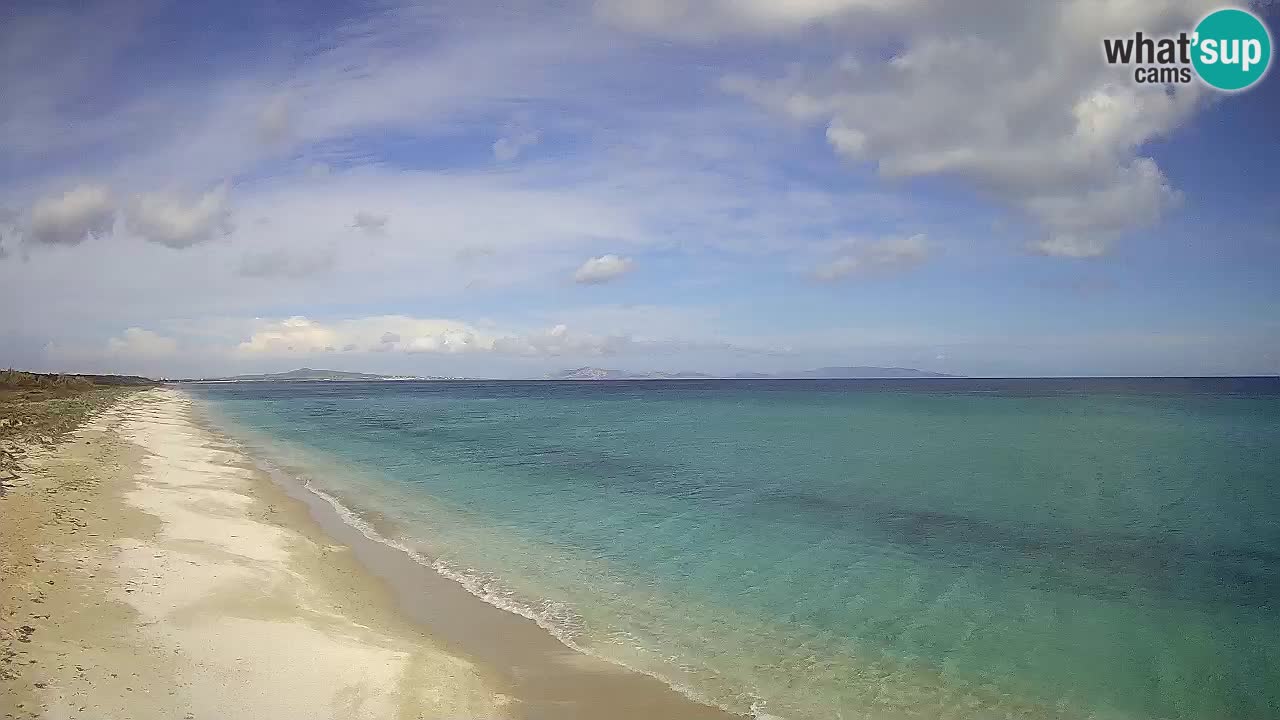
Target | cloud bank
(411,335)
(1057,135)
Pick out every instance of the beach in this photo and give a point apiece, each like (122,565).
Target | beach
(152,570)
(554,551)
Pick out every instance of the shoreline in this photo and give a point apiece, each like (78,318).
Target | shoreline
(549,678)
(162,573)
(546,677)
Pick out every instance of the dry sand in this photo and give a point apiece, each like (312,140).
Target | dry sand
(150,570)
(150,573)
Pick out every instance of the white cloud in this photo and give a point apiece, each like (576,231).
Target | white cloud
(299,335)
(405,334)
(602,269)
(137,342)
(370,223)
(69,218)
(976,93)
(863,258)
(292,335)
(447,341)
(168,220)
(1083,223)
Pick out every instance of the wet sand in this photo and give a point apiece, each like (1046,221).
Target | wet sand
(153,571)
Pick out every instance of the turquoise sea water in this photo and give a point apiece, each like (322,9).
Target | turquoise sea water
(838,549)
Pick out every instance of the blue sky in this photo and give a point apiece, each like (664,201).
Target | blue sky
(505,189)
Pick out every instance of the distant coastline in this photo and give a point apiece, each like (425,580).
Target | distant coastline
(583,374)
(823,373)
(312,375)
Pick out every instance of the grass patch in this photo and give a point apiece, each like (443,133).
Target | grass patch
(40,408)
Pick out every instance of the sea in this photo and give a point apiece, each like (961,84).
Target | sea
(919,548)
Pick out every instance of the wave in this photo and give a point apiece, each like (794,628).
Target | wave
(558,619)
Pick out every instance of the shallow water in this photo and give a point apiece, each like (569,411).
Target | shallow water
(815,549)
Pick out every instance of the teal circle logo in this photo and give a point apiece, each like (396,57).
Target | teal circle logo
(1232,49)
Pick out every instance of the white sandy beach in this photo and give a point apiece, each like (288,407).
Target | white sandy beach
(171,581)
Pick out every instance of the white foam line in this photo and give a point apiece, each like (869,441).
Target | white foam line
(477,586)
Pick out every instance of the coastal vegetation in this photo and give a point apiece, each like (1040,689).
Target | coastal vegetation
(39,408)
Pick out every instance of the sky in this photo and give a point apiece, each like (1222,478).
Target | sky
(505,189)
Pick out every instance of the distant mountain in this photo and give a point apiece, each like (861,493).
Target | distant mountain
(588,373)
(659,375)
(595,373)
(308,374)
(864,372)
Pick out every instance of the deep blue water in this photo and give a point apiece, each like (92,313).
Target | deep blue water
(853,548)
